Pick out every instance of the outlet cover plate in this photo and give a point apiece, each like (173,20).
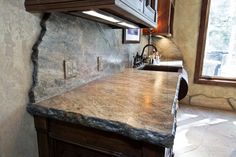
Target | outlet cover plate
(70,67)
(99,63)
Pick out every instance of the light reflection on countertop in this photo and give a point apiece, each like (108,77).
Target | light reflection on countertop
(175,63)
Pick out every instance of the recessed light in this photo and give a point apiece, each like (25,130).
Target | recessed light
(102,16)
(127,25)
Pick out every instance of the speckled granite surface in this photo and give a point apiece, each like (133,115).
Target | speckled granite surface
(134,103)
(73,38)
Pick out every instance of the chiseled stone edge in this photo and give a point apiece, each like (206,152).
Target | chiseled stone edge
(105,125)
(34,56)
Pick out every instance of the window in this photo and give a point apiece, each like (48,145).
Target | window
(216,54)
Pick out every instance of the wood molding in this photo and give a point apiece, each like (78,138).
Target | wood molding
(201,39)
(198,78)
(63,139)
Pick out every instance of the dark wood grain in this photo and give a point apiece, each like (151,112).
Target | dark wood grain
(93,139)
(41,126)
(123,8)
(165,14)
(63,149)
(62,139)
(201,39)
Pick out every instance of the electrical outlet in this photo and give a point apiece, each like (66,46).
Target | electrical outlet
(99,63)
(70,69)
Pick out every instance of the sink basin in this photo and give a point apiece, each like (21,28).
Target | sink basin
(183,88)
(151,67)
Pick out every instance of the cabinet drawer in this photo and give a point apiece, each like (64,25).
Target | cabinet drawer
(62,149)
(93,138)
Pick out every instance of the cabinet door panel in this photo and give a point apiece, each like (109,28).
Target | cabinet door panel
(62,149)
(136,4)
(92,137)
(150,13)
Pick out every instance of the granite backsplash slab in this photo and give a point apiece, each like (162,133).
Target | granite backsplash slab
(73,38)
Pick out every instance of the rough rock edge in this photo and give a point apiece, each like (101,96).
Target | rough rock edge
(34,57)
(144,135)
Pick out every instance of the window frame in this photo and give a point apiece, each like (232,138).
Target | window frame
(198,78)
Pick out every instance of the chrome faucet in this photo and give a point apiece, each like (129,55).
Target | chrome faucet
(148,46)
(139,59)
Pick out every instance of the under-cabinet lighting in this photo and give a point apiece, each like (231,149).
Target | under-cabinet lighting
(102,16)
(127,25)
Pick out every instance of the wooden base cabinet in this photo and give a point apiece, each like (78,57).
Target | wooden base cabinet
(62,139)
(63,149)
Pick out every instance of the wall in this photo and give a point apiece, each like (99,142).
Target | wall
(67,38)
(18,32)
(73,38)
(186,28)
(167,48)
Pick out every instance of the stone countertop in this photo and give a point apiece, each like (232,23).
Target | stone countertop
(134,103)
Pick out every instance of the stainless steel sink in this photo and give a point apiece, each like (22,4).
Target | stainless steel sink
(151,67)
(183,88)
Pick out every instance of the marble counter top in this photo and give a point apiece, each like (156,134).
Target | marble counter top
(134,103)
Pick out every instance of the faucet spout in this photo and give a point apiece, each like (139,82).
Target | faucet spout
(139,59)
(148,46)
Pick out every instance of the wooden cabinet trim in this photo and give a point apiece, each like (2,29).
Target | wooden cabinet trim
(123,8)
(165,19)
(58,132)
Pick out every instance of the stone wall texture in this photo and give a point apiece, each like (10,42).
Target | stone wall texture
(18,32)
(73,38)
(186,28)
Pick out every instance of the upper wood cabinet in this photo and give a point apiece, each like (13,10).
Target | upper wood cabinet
(165,19)
(150,9)
(135,4)
(141,13)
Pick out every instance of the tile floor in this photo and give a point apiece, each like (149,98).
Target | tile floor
(203,132)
